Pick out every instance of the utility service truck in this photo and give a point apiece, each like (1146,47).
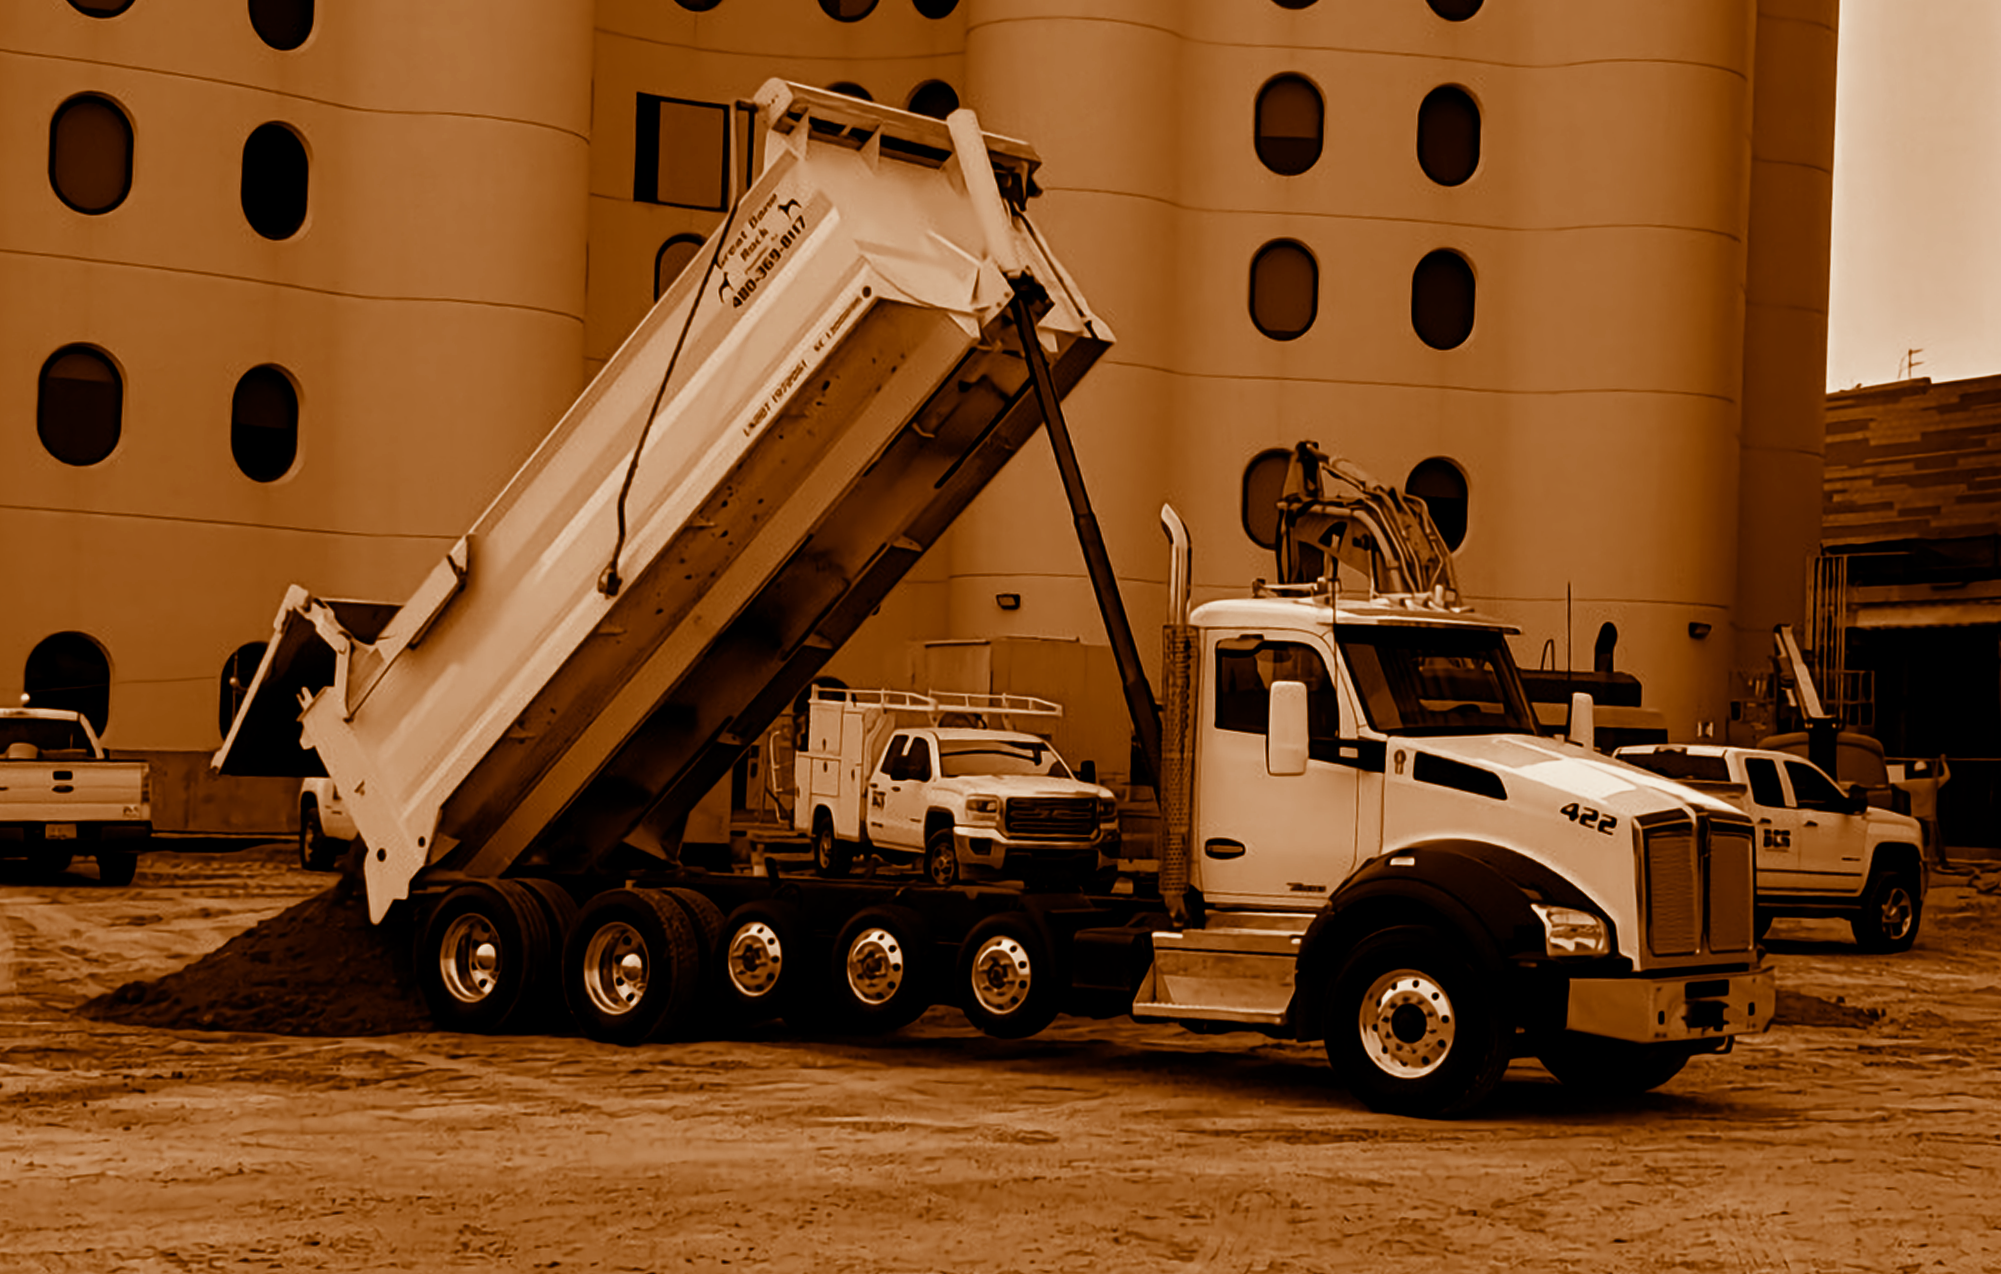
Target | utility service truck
(961,796)
(1365,839)
(61,796)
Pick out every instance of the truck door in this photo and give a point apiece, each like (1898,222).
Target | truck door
(1832,841)
(897,792)
(1264,839)
(1776,825)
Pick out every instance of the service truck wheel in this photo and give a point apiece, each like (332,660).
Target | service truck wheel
(631,966)
(1890,913)
(763,965)
(317,850)
(831,858)
(883,970)
(941,859)
(1414,1027)
(1011,983)
(482,955)
(1601,1067)
(114,868)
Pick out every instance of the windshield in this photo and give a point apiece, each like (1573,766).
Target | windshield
(1417,680)
(45,736)
(999,756)
(1681,765)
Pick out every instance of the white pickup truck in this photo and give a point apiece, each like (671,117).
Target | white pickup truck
(326,829)
(957,795)
(1821,851)
(60,797)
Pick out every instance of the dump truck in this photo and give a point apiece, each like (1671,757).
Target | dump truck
(1365,839)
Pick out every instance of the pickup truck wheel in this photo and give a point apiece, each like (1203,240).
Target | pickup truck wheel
(481,955)
(763,964)
(830,857)
(51,863)
(317,850)
(883,970)
(1011,982)
(1890,913)
(941,859)
(632,966)
(1600,1067)
(1414,1028)
(1761,923)
(115,868)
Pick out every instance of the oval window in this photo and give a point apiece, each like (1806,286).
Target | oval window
(90,154)
(1454,10)
(101,8)
(851,89)
(1442,486)
(282,24)
(1294,4)
(847,10)
(1441,300)
(698,6)
(673,257)
(1263,484)
(936,8)
(70,671)
(79,405)
(1285,289)
(1448,135)
(1291,124)
(274,181)
(935,98)
(264,424)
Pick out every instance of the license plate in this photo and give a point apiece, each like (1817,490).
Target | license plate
(59,831)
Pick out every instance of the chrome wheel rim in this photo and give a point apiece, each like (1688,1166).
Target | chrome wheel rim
(1002,975)
(469,958)
(875,966)
(755,959)
(943,868)
(823,848)
(1407,1024)
(1897,913)
(615,968)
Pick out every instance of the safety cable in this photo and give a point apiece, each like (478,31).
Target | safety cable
(608,582)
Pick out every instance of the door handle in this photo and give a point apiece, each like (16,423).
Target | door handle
(1222,848)
(1765,820)
(1811,823)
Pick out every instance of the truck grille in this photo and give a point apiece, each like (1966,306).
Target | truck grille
(1070,817)
(1698,887)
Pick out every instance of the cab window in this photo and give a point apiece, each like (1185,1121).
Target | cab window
(1247,667)
(1764,777)
(1814,790)
(917,761)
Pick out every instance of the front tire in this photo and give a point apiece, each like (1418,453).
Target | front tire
(764,961)
(1011,982)
(1414,1027)
(1600,1067)
(1891,910)
(883,969)
(941,858)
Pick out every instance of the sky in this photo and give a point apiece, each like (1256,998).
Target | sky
(1917,192)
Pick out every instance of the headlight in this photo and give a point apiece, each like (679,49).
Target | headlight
(983,811)
(1108,809)
(1569,932)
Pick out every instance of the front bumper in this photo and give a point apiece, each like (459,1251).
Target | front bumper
(1649,1010)
(992,849)
(39,835)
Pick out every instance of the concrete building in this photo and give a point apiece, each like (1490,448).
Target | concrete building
(291,289)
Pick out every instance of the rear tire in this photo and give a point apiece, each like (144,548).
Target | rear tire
(484,956)
(50,863)
(115,867)
(632,966)
(1413,1027)
(1011,982)
(1600,1067)
(884,970)
(764,961)
(831,858)
(1891,911)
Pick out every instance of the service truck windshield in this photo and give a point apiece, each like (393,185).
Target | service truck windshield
(999,756)
(1417,680)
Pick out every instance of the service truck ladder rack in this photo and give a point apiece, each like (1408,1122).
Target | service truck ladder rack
(881,332)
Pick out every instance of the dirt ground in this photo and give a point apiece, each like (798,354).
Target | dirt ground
(1872,1145)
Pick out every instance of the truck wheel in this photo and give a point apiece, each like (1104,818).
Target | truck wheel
(317,850)
(632,966)
(1414,1027)
(830,857)
(941,859)
(707,918)
(558,908)
(1600,1067)
(114,868)
(763,964)
(50,863)
(1010,978)
(482,952)
(1890,913)
(1761,923)
(883,970)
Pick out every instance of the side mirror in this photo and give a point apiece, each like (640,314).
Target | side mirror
(1858,798)
(1087,771)
(1285,729)
(1580,730)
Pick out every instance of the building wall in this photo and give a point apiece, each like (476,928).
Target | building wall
(429,312)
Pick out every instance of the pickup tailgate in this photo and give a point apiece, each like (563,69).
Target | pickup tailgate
(73,792)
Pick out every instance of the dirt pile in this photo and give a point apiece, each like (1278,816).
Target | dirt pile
(318,968)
